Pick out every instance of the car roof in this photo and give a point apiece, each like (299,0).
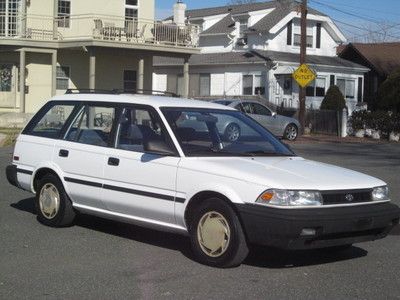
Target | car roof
(155,101)
(234,102)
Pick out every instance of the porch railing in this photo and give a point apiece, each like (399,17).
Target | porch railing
(98,27)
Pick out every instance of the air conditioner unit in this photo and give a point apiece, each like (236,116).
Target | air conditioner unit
(242,42)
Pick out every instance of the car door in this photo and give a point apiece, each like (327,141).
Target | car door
(81,154)
(137,183)
(264,116)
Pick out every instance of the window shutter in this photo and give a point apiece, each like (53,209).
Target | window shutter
(289,33)
(360,89)
(332,80)
(318,35)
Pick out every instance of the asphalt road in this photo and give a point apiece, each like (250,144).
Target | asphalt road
(107,260)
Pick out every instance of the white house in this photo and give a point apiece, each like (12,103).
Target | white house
(253,49)
(49,46)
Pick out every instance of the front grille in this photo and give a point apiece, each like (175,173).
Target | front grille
(346,197)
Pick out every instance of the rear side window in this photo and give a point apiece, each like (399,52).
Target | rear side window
(50,121)
(92,126)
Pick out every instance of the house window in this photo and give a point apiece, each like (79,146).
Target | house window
(205,84)
(129,80)
(316,88)
(243,27)
(63,75)
(347,87)
(131,9)
(247,84)
(64,13)
(297,36)
(253,85)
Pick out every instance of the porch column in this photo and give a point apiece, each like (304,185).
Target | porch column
(54,73)
(55,19)
(140,79)
(186,78)
(22,66)
(92,69)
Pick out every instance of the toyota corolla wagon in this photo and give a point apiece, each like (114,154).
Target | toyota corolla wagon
(168,164)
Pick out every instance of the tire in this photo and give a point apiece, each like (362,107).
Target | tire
(232,132)
(212,219)
(291,132)
(51,212)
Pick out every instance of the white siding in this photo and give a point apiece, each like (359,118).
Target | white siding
(217,84)
(160,82)
(233,84)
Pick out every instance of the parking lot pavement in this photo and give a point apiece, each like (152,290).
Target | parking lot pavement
(103,259)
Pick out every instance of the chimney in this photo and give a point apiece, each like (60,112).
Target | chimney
(179,13)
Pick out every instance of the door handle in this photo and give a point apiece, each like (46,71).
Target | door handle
(63,153)
(112,161)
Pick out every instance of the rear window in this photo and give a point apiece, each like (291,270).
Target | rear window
(50,120)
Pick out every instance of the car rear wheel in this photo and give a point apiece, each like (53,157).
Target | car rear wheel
(291,132)
(217,236)
(53,206)
(232,132)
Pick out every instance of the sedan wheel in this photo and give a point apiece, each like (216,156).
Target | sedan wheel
(232,132)
(49,201)
(291,132)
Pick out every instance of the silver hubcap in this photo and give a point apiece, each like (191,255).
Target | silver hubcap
(213,234)
(233,133)
(291,133)
(49,201)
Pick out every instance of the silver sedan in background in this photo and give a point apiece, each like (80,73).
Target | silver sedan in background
(281,126)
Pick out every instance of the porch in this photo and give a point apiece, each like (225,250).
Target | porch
(119,30)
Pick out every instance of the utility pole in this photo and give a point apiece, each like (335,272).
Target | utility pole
(303,53)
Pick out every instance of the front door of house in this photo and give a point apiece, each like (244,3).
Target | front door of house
(7,85)
(285,86)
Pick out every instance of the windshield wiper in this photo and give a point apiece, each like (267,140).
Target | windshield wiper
(264,153)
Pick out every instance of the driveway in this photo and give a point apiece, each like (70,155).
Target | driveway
(103,259)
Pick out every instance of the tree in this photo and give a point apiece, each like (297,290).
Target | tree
(379,32)
(334,99)
(389,93)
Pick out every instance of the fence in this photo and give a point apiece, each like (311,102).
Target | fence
(321,121)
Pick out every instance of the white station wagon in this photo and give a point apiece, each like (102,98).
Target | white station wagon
(141,159)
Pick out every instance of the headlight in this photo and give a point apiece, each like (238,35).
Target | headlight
(290,198)
(380,193)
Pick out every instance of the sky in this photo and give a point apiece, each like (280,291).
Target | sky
(376,16)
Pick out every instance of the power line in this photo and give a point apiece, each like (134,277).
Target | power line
(367,9)
(365,18)
(369,32)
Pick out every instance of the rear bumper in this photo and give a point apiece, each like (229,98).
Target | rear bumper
(283,228)
(12,177)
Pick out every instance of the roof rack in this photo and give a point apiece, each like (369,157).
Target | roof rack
(119,92)
(88,91)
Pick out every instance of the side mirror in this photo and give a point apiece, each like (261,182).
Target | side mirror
(158,147)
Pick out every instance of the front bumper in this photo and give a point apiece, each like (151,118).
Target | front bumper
(12,177)
(334,226)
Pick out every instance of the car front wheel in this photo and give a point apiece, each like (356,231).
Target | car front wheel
(291,132)
(217,236)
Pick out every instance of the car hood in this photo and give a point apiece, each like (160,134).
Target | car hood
(284,172)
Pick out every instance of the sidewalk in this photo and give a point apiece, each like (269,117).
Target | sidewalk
(320,138)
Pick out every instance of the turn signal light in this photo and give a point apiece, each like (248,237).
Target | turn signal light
(267,196)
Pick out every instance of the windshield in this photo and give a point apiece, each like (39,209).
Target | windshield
(210,132)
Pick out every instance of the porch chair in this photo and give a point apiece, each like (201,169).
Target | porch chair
(98,31)
(140,37)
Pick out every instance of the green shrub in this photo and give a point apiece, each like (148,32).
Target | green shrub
(382,121)
(333,100)
(389,93)
(359,119)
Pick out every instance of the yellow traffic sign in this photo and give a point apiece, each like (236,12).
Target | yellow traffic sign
(304,75)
